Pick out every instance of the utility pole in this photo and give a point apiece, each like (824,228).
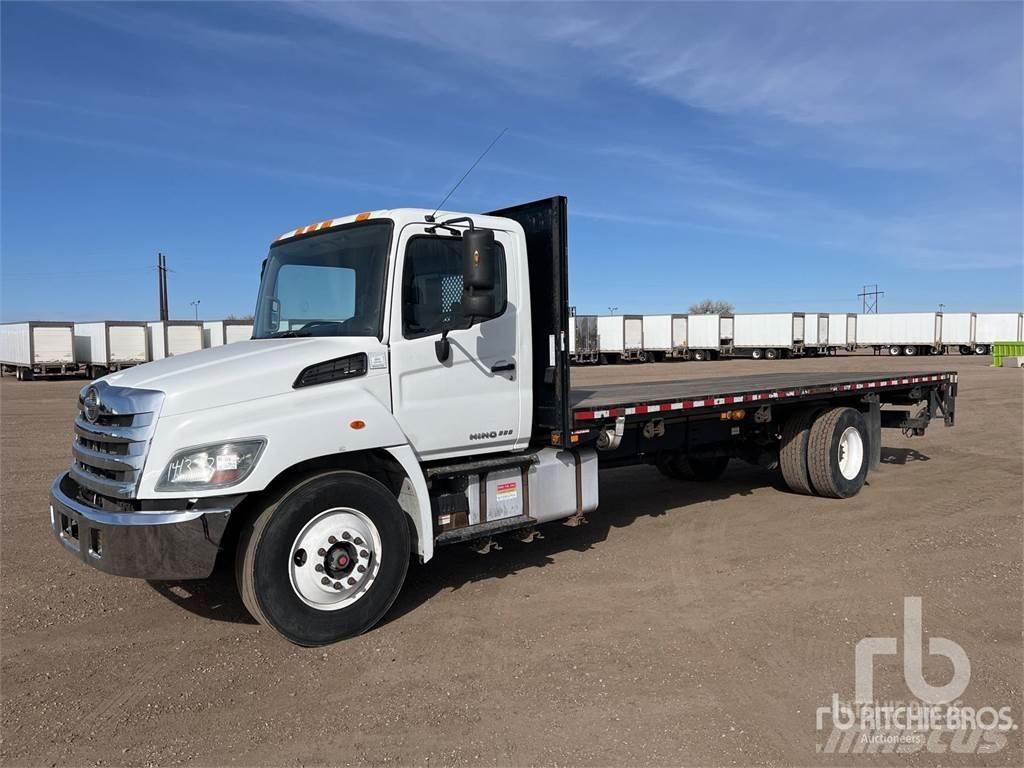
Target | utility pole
(869,298)
(941,306)
(195,306)
(161,272)
(612,310)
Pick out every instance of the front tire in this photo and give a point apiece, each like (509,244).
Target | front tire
(837,453)
(347,530)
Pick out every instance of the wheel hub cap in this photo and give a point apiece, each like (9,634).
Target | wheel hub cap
(851,453)
(344,551)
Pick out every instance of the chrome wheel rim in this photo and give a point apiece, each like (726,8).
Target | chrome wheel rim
(851,453)
(335,559)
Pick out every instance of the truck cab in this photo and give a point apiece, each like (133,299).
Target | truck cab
(410,359)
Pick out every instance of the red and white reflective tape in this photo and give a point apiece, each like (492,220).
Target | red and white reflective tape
(711,402)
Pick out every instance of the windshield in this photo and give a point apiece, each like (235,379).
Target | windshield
(326,285)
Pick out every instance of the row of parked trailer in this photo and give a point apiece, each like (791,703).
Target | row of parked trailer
(615,338)
(97,348)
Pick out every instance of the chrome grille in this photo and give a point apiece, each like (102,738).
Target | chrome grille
(109,452)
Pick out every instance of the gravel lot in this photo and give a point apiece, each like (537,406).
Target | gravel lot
(685,624)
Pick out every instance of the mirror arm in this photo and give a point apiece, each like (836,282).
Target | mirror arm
(443,347)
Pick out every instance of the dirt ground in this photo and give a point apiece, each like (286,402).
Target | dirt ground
(685,624)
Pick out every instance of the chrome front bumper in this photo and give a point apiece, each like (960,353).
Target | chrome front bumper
(172,544)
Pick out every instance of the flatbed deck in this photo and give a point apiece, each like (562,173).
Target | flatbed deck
(593,403)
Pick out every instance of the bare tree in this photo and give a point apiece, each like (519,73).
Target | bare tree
(710,307)
(243,318)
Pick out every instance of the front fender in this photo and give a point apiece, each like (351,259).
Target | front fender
(298,425)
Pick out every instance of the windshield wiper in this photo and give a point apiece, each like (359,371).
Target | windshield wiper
(288,334)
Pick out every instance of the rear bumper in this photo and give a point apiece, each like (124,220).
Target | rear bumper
(173,544)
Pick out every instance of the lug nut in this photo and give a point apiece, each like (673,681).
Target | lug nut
(363,553)
(321,552)
(332,540)
(351,581)
(325,581)
(337,585)
(346,535)
(319,568)
(357,541)
(361,569)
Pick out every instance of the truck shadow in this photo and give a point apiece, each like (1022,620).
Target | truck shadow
(456,566)
(902,456)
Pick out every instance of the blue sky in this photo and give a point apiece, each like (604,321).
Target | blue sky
(775,155)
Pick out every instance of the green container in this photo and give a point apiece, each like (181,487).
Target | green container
(1001,349)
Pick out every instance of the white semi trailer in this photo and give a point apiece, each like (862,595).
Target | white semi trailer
(37,348)
(958,332)
(621,338)
(901,333)
(110,345)
(708,336)
(842,330)
(376,419)
(237,330)
(213,333)
(768,335)
(990,327)
(584,342)
(665,336)
(816,334)
(174,337)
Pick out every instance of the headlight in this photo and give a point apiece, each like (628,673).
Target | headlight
(211,466)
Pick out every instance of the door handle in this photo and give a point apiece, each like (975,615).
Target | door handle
(502,367)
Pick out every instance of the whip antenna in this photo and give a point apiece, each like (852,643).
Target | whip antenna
(474,165)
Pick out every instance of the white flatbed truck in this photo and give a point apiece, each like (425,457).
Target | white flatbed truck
(407,388)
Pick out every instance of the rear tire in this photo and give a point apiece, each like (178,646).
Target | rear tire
(894,350)
(771,354)
(837,453)
(909,351)
(276,590)
(757,354)
(793,451)
(981,349)
(708,469)
(699,355)
(673,465)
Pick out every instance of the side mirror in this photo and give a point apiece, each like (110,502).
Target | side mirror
(478,259)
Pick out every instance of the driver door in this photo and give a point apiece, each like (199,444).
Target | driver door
(470,403)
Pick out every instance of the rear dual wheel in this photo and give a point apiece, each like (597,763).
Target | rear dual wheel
(825,453)
(325,560)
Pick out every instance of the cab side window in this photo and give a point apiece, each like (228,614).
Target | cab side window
(432,285)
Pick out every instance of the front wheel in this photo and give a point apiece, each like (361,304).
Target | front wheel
(324,561)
